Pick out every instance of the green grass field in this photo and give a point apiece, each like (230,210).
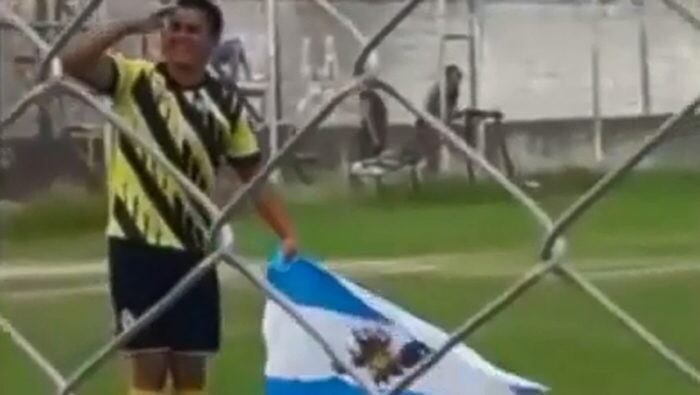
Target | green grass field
(466,245)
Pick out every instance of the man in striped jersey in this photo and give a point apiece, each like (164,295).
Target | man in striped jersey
(155,232)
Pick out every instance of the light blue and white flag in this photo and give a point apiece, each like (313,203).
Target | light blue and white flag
(382,341)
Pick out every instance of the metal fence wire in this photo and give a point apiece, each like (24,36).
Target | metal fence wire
(52,83)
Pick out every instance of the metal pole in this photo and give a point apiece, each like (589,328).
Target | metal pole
(441,22)
(251,187)
(491,310)
(480,29)
(44,122)
(442,31)
(2,111)
(473,69)
(34,355)
(601,188)
(272,88)
(595,82)
(155,311)
(644,57)
(278,78)
(2,73)
(671,356)
(67,31)
(683,12)
(406,9)
(343,20)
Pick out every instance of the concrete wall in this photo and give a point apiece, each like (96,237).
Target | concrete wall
(534,56)
(541,145)
(28,166)
(551,145)
(531,68)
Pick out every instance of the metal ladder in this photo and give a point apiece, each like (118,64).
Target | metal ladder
(470,40)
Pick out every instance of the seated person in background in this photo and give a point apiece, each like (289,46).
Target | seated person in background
(228,58)
(428,140)
(374,126)
(374,158)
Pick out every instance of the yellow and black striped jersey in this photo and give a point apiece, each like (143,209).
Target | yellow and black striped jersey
(196,129)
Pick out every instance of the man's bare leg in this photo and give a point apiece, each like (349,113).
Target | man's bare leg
(148,372)
(188,373)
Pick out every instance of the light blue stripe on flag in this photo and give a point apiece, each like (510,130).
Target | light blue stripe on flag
(307,281)
(332,386)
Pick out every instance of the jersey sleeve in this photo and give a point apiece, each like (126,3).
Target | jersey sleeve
(126,71)
(241,145)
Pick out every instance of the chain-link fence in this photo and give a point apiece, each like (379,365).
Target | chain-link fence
(52,84)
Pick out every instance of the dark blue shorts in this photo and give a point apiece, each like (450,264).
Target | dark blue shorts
(140,275)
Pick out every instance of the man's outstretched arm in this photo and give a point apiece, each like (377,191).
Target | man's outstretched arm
(85,58)
(270,208)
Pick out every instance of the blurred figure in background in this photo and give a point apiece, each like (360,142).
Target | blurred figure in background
(374,126)
(428,140)
(229,60)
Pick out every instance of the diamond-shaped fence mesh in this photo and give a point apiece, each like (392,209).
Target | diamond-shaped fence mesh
(51,83)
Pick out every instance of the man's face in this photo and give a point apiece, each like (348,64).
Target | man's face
(186,39)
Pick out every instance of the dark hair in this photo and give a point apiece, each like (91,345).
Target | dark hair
(212,12)
(453,68)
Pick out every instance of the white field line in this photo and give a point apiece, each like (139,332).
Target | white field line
(367,267)
(616,273)
(44,294)
(44,272)
(39,271)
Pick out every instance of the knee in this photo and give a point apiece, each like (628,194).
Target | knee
(188,373)
(149,371)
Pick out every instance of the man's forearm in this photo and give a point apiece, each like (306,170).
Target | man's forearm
(83,56)
(270,209)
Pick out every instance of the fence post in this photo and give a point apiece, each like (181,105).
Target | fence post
(473,64)
(441,22)
(644,56)
(595,82)
(2,116)
(44,122)
(2,73)
(272,89)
